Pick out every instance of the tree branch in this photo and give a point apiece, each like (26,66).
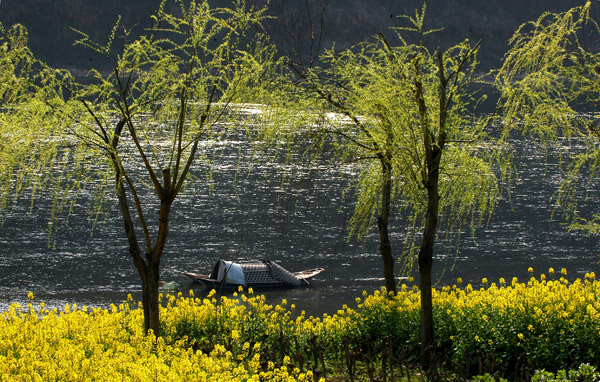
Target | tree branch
(190,160)
(126,112)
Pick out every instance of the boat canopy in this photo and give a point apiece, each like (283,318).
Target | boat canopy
(252,273)
(229,272)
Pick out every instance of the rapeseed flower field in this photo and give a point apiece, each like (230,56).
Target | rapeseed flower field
(503,329)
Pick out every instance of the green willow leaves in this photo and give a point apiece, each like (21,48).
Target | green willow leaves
(30,131)
(550,85)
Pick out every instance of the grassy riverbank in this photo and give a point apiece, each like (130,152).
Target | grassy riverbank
(508,330)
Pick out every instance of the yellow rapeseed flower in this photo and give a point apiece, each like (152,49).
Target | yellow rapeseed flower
(222,340)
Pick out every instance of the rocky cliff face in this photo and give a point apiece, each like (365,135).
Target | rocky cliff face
(346,22)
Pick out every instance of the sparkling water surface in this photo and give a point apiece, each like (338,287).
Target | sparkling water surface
(300,223)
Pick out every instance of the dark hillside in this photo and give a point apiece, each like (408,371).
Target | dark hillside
(49,23)
(347,22)
(492,21)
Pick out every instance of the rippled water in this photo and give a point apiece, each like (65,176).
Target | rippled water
(300,225)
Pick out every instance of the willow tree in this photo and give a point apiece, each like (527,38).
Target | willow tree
(550,85)
(29,143)
(404,114)
(170,89)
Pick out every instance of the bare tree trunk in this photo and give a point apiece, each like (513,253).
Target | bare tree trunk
(151,287)
(151,303)
(426,260)
(382,225)
(147,270)
(434,146)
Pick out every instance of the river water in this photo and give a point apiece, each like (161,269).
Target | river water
(300,223)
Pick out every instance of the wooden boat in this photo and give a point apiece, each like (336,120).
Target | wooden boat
(266,274)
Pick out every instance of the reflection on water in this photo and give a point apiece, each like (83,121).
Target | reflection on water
(300,225)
